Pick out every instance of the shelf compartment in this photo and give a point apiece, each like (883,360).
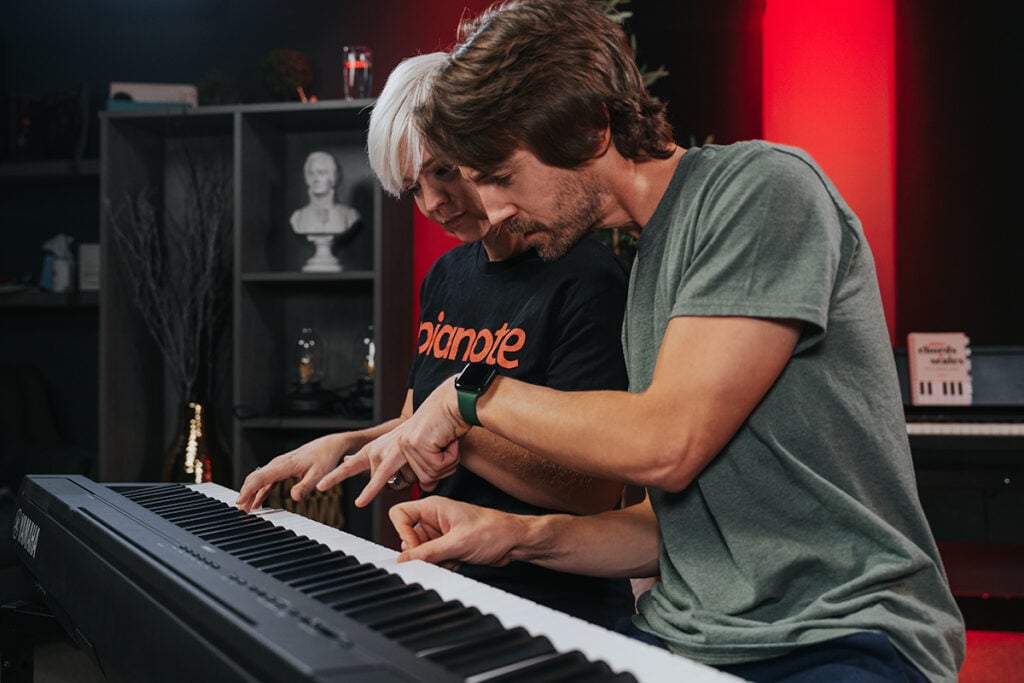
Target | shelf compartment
(299,278)
(272,298)
(325,423)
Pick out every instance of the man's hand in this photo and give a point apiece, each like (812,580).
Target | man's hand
(448,532)
(426,443)
(621,543)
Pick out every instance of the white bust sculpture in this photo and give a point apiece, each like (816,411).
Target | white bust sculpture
(323,218)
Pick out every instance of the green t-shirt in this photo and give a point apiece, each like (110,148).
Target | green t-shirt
(807,526)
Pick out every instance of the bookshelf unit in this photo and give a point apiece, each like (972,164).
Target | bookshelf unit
(272,298)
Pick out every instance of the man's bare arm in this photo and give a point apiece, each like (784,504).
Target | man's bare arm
(710,374)
(511,468)
(534,479)
(618,543)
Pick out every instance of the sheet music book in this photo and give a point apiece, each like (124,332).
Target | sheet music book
(940,368)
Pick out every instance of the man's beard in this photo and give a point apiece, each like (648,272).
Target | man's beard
(579,197)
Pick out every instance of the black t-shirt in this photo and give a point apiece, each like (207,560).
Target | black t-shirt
(555,324)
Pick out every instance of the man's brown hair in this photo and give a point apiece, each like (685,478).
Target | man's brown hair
(547,75)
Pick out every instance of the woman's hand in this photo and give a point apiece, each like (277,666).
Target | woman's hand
(309,462)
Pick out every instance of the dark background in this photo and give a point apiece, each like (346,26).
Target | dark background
(958,240)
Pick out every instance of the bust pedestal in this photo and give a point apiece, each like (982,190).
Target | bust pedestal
(322,260)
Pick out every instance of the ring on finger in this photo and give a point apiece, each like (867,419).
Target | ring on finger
(397,482)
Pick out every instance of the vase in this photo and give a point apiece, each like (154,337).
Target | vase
(197,453)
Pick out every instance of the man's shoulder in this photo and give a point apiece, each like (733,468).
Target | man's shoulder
(751,166)
(759,155)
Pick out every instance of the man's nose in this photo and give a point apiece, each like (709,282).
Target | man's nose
(497,205)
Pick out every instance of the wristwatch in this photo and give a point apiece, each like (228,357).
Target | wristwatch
(469,385)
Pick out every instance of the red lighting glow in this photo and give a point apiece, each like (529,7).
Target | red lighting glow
(829,78)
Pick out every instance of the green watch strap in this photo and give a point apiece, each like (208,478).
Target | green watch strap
(467,406)
(469,384)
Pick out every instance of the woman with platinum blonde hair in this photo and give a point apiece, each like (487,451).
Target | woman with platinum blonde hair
(491,299)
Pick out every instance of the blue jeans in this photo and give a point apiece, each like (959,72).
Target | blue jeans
(860,658)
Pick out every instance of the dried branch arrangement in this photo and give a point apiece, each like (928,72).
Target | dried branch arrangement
(179,264)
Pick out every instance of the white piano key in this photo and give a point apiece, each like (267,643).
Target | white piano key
(648,663)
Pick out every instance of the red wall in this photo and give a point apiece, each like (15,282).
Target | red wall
(829,87)
(418,28)
(430,242)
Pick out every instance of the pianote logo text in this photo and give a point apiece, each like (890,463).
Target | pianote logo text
(494,347)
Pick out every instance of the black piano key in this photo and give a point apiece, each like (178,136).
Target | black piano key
(456,629)
(257,553)
(235,532)
(151,497)
(330,580)
(512,667)
(173,503)
(409,602)
(305,553)
(372,597)
(467,643)
(379,579)
(275,569)
(422,623)
(566,667)
(339,579)
(205,519)
(382,617)
(252,538)
(183,500)
(227,528)
(199,522)
(172,510)
(491,651)
(284,553)
(313,569)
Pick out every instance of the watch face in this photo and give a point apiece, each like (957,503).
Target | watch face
(475,377)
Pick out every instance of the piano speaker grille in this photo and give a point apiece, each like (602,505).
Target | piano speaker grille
(326,507)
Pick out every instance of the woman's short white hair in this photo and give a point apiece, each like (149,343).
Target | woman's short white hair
(393,143)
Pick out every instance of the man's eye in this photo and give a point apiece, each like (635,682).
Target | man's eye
(502,180)
(444,171)
(412,190)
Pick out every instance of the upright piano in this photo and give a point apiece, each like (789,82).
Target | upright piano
(970,459)
(969,462)
(168,582)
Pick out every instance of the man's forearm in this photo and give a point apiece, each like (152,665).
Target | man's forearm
(706,382)
(534,479)
(598,433)
(618,543)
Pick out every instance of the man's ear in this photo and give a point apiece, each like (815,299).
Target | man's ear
(604,141)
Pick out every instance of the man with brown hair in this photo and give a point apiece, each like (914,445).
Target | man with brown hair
(763,415)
